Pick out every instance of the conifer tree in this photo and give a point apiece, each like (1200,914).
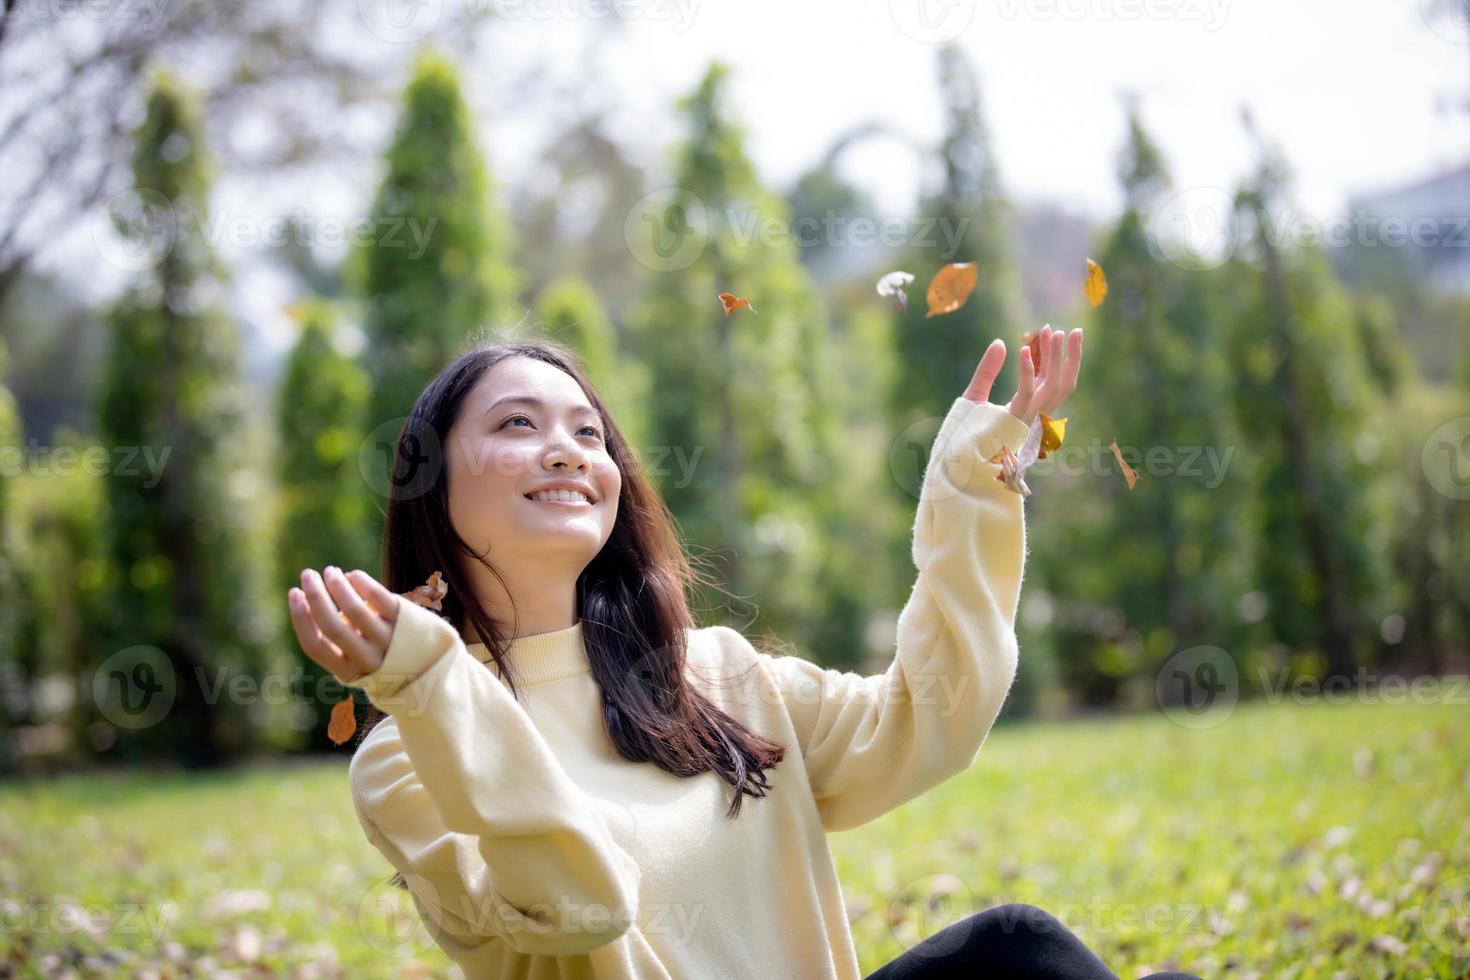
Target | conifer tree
(183,537)
(438,266)
(746,410)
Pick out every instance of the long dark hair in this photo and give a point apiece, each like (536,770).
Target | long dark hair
(632,598)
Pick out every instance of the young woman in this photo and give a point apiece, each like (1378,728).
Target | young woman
(556,765)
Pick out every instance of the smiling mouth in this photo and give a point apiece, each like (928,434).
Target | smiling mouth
(576,504)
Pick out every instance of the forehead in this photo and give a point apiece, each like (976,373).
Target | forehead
(526,376)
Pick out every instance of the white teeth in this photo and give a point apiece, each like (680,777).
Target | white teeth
(565,495)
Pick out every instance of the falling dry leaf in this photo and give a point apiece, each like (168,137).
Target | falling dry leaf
(430,593)
(1013,466)
(344,721)
(1052,433)
(893,285)
(1012,473)
(1128,473)
(1032,339)
(733,303)
(951,286)
(1096,286)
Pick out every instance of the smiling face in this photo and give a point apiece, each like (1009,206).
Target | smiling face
(525,427)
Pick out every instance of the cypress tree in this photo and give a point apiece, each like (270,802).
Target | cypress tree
(189,614)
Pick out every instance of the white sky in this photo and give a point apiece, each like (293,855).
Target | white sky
(1348,88)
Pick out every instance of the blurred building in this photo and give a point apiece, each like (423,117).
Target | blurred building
(1431,222)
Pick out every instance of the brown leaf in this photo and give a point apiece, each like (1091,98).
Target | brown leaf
(1128,473)
(1032,339)
(951,286)
(430,593)
(1012,473)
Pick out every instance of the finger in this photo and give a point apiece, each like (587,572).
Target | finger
(330,621)
(1065,380)
(1074,362)
(1026,389)
(366,619)
(986,371)
(377,595)
(313,643)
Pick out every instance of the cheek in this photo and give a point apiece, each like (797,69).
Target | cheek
(482,481)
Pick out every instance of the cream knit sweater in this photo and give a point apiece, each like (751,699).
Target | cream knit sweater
(533,850)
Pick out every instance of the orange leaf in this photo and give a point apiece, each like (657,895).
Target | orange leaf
(950,287)
(430,593)
(733,303)
(1128,473)
(1096,286)
(344,721)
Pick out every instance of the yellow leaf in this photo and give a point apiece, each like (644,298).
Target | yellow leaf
(1052,432)
(1096,286)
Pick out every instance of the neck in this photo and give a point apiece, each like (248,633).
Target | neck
(546,599)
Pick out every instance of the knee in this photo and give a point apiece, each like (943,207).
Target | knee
(1021,917)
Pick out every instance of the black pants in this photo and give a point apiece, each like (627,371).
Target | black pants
(1008,942)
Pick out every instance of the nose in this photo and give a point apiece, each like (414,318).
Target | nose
(565,452)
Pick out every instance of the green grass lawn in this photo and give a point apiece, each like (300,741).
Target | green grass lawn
(1288,842)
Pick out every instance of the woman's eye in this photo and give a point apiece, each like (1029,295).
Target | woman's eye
(597,433)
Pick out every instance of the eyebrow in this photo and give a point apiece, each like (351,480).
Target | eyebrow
(531,400)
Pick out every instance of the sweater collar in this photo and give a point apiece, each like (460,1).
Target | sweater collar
(541,657)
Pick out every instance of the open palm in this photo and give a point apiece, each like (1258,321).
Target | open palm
(1041,390)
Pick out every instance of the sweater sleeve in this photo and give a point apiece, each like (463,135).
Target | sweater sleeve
(463,795)
(873,743)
